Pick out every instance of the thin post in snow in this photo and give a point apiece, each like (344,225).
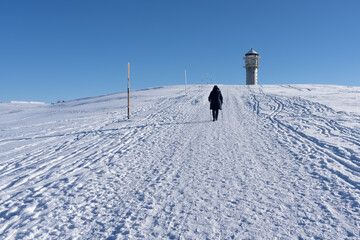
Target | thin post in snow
(128,91)
(185,82)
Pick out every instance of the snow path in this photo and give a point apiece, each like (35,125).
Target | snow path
(279,164)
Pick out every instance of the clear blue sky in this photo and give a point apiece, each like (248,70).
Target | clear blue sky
(62,49)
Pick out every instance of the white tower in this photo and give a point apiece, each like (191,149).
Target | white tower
(251,64)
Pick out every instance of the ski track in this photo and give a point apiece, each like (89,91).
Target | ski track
(272,167)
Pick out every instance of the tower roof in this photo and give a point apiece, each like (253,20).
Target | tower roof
(251,52)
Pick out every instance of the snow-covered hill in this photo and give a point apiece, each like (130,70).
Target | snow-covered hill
(282,162)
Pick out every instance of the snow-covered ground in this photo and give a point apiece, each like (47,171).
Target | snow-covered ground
(282,162)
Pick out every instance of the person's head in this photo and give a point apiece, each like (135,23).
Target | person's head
(215,87)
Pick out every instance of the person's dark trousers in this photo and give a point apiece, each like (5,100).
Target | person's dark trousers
(215,113)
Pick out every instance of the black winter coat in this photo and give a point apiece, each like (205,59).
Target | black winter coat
(215,99)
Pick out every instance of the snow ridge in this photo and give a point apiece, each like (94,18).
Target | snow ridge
(282,162)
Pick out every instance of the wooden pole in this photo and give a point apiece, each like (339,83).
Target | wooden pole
(128,90)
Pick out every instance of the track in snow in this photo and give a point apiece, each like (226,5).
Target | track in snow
(275,166)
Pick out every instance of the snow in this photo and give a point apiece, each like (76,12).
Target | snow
(26,102)
(282,162)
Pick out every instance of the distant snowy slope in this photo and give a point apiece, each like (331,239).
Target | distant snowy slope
(282,162)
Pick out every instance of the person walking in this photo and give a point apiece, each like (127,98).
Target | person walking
(216,101)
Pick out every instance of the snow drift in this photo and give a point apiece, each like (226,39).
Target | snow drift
(282,162)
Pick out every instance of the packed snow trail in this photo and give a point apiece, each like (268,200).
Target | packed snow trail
(281,164)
